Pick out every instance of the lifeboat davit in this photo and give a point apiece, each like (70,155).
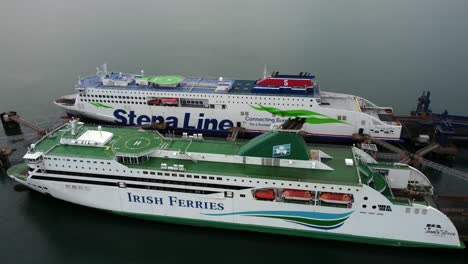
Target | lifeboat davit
(297,195)
(265,194)
(340,198)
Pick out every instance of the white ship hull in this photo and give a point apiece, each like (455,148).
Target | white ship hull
(402,226)
(238,112)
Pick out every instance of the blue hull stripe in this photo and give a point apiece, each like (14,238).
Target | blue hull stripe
(309,215)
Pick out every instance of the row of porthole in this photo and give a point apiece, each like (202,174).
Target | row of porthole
(215,96)
(144,103)
(227,179)
(112,101)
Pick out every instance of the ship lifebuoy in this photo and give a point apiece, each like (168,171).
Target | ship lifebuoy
(346,197)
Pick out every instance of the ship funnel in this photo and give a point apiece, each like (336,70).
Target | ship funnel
(264,71)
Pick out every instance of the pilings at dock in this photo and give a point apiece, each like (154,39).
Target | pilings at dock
(5,153)
(10,126)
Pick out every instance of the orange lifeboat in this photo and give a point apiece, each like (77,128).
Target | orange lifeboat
(265,194)
(340,198)
(297,195)
(169,101)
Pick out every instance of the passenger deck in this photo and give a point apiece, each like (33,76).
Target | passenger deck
(186,85)
(133,142)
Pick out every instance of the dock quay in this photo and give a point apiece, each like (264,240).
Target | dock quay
(423,127)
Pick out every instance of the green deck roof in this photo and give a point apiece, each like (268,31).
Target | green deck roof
(341,174)
(132,141)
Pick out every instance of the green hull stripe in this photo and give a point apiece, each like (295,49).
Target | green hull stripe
(101,105)
(306,220)
(310,116)
(286,231)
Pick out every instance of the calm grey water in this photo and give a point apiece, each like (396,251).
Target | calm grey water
(386,51)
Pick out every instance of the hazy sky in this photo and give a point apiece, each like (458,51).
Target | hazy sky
(386,51)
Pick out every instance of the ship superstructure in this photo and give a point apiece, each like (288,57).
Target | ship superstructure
(273,183)
(215,105)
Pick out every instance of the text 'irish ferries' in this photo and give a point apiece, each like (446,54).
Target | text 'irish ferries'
(174,201)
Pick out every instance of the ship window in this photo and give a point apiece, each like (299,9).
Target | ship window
(219,178)
(211,178)
(152,173)
(145,172)
(196,176)
(203,177)
(160,173)
(189,176)
(166,174)
(242,195)
(174,174)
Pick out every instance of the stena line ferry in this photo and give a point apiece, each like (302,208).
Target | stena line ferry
(215,105)
(274,183)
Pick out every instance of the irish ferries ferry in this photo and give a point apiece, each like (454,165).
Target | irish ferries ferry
(214,105)
(273,183)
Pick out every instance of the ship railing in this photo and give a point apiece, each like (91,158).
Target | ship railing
(194,171)
(82,156)
(49,134)
(134,155)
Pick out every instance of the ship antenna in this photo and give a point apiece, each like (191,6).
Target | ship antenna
(73,126)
